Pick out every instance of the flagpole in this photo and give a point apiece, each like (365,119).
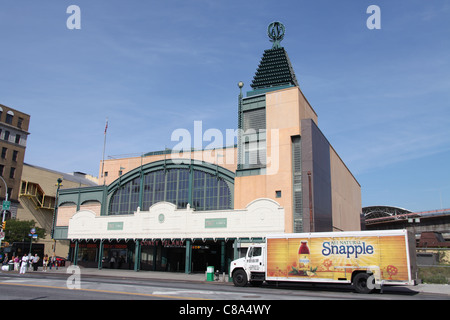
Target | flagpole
(103,158)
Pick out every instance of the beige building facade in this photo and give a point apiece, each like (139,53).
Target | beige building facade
(37,198)
(14,133)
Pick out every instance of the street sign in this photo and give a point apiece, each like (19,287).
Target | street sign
(6,205)
(2,235)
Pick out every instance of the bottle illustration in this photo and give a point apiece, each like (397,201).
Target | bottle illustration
(303,258)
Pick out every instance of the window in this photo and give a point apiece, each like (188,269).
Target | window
(4,150)
(15,154)
(126,198)
(20,122)
(17,138)
(255,252)
(12,172)
(6,137)
(9,117)
(208,191)
(297,183)
(278,194)
(2,167)
(254,119)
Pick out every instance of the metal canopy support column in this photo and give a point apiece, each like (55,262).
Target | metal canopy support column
(137,256)
(187,266)
(155,252)
(100,255)
(191,181)
(222,256)
(75,254)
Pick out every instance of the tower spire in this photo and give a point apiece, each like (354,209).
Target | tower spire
(275,68)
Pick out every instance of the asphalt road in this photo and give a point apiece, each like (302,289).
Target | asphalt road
(68,287)
(198,300)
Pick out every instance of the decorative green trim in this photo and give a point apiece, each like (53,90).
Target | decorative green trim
(115,225)
(61,233)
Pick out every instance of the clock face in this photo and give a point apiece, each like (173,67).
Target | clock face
(161,218)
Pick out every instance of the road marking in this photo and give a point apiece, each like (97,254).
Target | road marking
(103,291)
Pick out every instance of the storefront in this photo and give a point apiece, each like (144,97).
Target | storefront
(154,255)
(112,255)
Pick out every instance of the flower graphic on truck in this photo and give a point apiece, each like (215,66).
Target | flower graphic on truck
(327,263)
(392,271)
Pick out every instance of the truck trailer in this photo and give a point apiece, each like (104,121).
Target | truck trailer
(366,259)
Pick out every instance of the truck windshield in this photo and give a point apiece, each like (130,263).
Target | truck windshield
(255,252)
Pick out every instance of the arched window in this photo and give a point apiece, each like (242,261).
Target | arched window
(207,191)
(9,117)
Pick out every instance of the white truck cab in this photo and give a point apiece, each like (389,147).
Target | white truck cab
(251,268)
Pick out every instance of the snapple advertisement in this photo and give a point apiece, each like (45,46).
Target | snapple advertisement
(336,258)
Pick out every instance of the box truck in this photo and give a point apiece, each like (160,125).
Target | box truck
(365,259)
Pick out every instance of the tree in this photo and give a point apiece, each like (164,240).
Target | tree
(18,230)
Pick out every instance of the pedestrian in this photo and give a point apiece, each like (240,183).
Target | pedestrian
(16,263)
(30,262)
(5,266)
(53,261)
(45,263)
(24,265)
(35,262)
(111,262)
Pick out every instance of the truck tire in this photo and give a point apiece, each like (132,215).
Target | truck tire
(360,282)
(240,278)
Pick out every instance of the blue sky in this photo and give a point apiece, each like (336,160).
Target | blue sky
(150,67)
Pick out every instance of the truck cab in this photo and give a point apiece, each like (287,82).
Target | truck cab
(251,268)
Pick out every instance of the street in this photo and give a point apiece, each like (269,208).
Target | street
(40,286)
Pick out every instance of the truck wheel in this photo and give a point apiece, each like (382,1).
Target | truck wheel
(360,283)
(240,278)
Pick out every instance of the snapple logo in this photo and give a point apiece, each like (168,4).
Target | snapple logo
(346,247)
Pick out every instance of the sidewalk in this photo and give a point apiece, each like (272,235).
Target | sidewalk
(197,277)
(123,274)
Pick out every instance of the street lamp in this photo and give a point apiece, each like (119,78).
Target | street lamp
(55,210)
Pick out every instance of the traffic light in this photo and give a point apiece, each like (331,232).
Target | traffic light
(4,225)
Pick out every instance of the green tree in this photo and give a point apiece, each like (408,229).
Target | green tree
(18,230)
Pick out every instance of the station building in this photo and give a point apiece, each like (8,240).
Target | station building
(175,211)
